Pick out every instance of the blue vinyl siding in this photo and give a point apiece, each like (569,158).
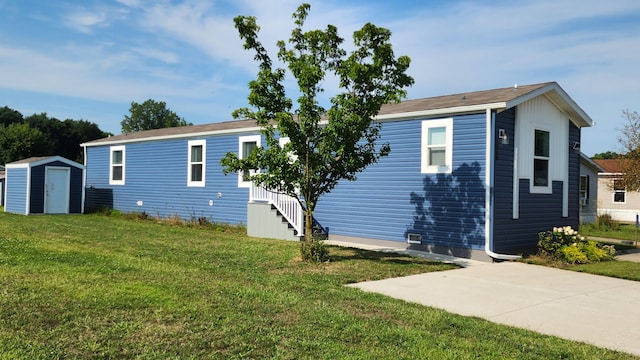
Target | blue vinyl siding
(16,191)
(156,174)
(505,228)
(538,212)
(393,198)
(574,178)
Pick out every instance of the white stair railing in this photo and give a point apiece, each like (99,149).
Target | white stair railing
(287,205)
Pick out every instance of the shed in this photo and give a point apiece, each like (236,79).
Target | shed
(44,185)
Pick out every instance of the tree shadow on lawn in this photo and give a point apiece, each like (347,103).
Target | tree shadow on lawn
(342,254)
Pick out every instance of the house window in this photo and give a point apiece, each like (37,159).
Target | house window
(584,189)
(197,163)
(619,192)
(117,161)
(246,145)
(541,159)
(437,146)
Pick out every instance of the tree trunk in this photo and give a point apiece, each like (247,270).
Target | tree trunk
(308,226)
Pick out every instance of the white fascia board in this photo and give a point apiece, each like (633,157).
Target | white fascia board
(583,120)
(443,111)
(45,161)
(17,166)
(176,136)
(610,174)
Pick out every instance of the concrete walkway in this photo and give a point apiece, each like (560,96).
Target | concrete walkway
(598,310)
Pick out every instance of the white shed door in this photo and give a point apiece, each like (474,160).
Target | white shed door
(56,194)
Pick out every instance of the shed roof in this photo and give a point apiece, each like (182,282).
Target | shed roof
(39,160)
(496,99)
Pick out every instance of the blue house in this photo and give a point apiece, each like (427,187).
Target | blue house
(476,175)
(44,185)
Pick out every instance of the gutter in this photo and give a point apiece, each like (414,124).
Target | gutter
(489,175)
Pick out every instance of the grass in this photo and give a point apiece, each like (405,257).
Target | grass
(97,287)
(620,231)
(619,269)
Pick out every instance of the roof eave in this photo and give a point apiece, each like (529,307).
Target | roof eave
(169,137)
(441,111)
(560,98)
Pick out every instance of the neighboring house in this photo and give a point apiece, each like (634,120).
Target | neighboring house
(615,200)
(477,174)
(44,185)
(588,195)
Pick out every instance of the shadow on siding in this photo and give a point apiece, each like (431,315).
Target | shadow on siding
(450,216)
(97,199)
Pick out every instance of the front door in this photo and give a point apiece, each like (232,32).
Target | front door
(56,190)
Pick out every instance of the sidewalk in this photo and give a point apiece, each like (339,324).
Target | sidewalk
(625,255)
(598,310)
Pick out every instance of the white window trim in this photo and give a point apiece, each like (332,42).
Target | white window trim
(614,191)
(112,149)
(533,188)
(580,189)
(243,139)
(191,144)
(425,168)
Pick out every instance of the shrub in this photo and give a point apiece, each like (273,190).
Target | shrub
(573,255)
(606,222)
(565,244)
(597,252)
(316,251)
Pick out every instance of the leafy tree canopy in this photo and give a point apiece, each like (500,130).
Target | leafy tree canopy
(606,155)
(20,141)
(629,139)
(41,135)
(325,145)
(9,116)
(150,115)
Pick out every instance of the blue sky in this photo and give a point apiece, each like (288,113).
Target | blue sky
(90,59)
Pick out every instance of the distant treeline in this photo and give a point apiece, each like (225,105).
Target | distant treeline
(40,135)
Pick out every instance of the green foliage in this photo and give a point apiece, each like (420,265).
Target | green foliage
(606,155)
(326,145)
(9,116)
(41,135)
(315,251)
(629,140)
(565,244)
(573,255)
(20,141)
(150,115)
(607,222)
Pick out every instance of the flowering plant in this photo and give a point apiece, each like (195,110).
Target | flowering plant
(565,244)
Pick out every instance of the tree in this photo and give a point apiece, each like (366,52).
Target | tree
(9,116)
(630,141)
(606,155)
(325,145)
(41,135)
(150,115)
(20,141)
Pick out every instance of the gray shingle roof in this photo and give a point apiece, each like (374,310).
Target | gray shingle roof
(461,100)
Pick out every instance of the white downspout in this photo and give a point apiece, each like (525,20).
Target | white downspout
(84,178)
(489,176)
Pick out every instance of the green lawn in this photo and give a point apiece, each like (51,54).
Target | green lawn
(624,232)
(97,287)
